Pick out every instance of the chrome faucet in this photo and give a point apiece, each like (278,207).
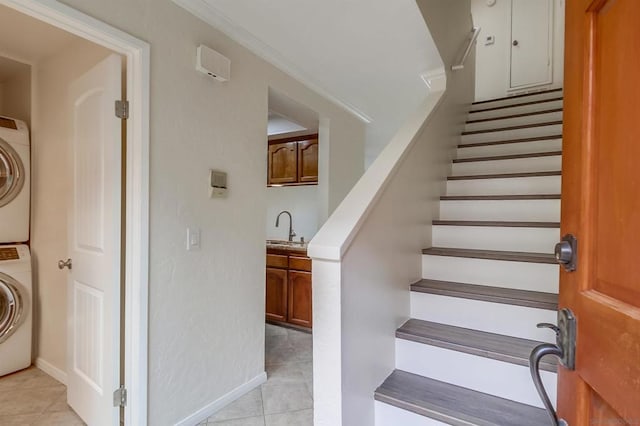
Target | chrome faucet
(291,233)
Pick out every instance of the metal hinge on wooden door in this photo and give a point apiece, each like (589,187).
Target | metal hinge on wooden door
(120,397)
(122,109)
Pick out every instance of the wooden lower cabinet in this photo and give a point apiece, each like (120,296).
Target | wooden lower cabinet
(276,300)
(288,292)
(299,303)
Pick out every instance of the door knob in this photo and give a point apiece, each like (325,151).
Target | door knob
(515,42)
(566,251)
(64,264)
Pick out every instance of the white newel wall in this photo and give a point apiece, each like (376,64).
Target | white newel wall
(369,250)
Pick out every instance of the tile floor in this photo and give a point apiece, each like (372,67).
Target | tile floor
(32,398)
(286,399)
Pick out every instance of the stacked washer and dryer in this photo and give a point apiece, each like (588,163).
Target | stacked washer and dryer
(16,305)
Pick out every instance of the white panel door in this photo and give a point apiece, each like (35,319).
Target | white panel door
(531,42)
(93,360)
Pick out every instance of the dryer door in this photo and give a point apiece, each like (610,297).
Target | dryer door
(10,306)
(11,173)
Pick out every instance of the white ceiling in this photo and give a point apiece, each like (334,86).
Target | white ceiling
(367,55)
(26,39)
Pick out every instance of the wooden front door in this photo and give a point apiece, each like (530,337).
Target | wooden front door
(601,207)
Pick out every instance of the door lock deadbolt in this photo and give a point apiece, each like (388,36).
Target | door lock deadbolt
(566,252)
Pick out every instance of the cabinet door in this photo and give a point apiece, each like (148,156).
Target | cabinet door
(300,298)
(276,299)
(308,161)
(283,163)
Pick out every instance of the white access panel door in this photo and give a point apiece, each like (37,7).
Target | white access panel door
(93,291)
(531,43)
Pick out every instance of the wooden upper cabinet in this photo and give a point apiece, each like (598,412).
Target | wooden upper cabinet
(308,161)
(293,161)
(283,160)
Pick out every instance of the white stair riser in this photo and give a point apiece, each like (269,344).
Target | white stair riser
(500,135)
(510,148)
(539,240)
(505,186)
(388,415)
(497,210)
(481,374)
(499,273)
(524,109)
(514,165)
(514,121)
(509,320)
(518,100)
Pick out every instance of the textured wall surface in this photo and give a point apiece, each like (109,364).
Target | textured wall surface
(206,312)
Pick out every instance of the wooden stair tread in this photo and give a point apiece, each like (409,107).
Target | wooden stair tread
(541,101)
(505,175)
(506,117)
(507,141)
(500,224)
(455,405)
(518,127)
(507,296)
(500,197)
(508,157)
(514,350)
(522,95)
(511,256)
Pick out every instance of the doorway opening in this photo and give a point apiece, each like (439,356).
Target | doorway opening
(88,213)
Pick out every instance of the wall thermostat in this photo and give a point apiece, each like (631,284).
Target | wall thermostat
(217,184)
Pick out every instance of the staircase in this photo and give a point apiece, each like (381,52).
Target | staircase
(490,277)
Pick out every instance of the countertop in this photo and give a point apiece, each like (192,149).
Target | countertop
(296,247)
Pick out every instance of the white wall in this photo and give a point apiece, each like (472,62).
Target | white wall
(368,253)
(302,202)
(206,308)
(16,95)
(492,61)
(51,184)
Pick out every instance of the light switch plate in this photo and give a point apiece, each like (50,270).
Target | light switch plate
(193,239)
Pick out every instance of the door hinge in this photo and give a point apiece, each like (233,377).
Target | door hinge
(120,397)
(122,109)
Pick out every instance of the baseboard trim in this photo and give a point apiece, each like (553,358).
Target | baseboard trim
(214,406)
(51,370)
